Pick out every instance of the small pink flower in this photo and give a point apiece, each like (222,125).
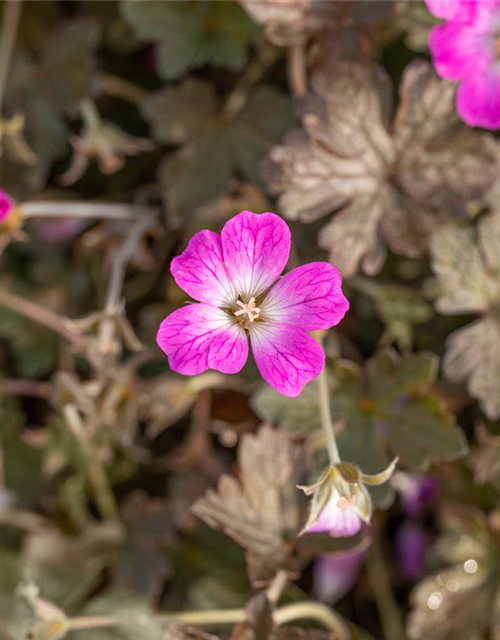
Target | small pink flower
(235,277)
(340,517)
(6,205)
(340,501)
(467,48)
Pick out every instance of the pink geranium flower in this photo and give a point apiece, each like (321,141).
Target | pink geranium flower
(467,48)
(6,205)
(235,277)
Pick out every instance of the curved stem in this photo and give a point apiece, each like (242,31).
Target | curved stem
(8,36)
(326,417)
(315,611)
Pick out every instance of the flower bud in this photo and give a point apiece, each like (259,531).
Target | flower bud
(340,501)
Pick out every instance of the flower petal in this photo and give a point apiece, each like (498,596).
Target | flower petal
(309,297)
(6,204)
(458,10)
(198,337)
(286,356)
(478,100)
(337,520)
(256,249)
(459,51)
(200,271)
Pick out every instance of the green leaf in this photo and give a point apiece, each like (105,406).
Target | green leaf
(68,66)
(191,34)
(215,145)
(298,415)
(390,408)
(400,309)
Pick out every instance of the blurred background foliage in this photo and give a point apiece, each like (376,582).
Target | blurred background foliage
(128,492)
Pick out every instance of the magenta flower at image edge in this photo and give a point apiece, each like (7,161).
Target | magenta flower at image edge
(235,279)
(6,205)
(466,48)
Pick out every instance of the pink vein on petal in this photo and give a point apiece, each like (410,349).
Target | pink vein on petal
(309,297)
(256,247)
(198,337)
(199,270)
(286,356)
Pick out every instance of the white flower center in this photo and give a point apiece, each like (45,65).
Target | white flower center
(249,310)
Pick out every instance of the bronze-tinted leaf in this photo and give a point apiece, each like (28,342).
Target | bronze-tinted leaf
(390,185)
(472,285)
(262,511)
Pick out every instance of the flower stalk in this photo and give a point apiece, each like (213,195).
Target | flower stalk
(326,417)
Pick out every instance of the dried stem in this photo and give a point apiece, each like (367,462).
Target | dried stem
(86,210)
(296,62)
(8,36)
(27,388)
(121,88)
(276,587)
(42,316)
(119,263)
(389,612)
(96,475)
(326,417)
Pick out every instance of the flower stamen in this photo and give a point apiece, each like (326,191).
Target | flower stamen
(250,310)
(346,503)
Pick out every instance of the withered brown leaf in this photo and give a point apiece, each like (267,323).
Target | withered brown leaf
(472,285)
(263,511)
(390,184)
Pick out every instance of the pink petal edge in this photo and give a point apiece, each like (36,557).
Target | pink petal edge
(6,204)
(198,337)
(459,51)
(256,247)
(199,270)
(459,10)
(309,297)
(286,356)
(337,521)
(478,100)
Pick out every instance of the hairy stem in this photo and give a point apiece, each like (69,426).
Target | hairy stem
(8,36)
(96,475)
(326,417)
(390,615)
